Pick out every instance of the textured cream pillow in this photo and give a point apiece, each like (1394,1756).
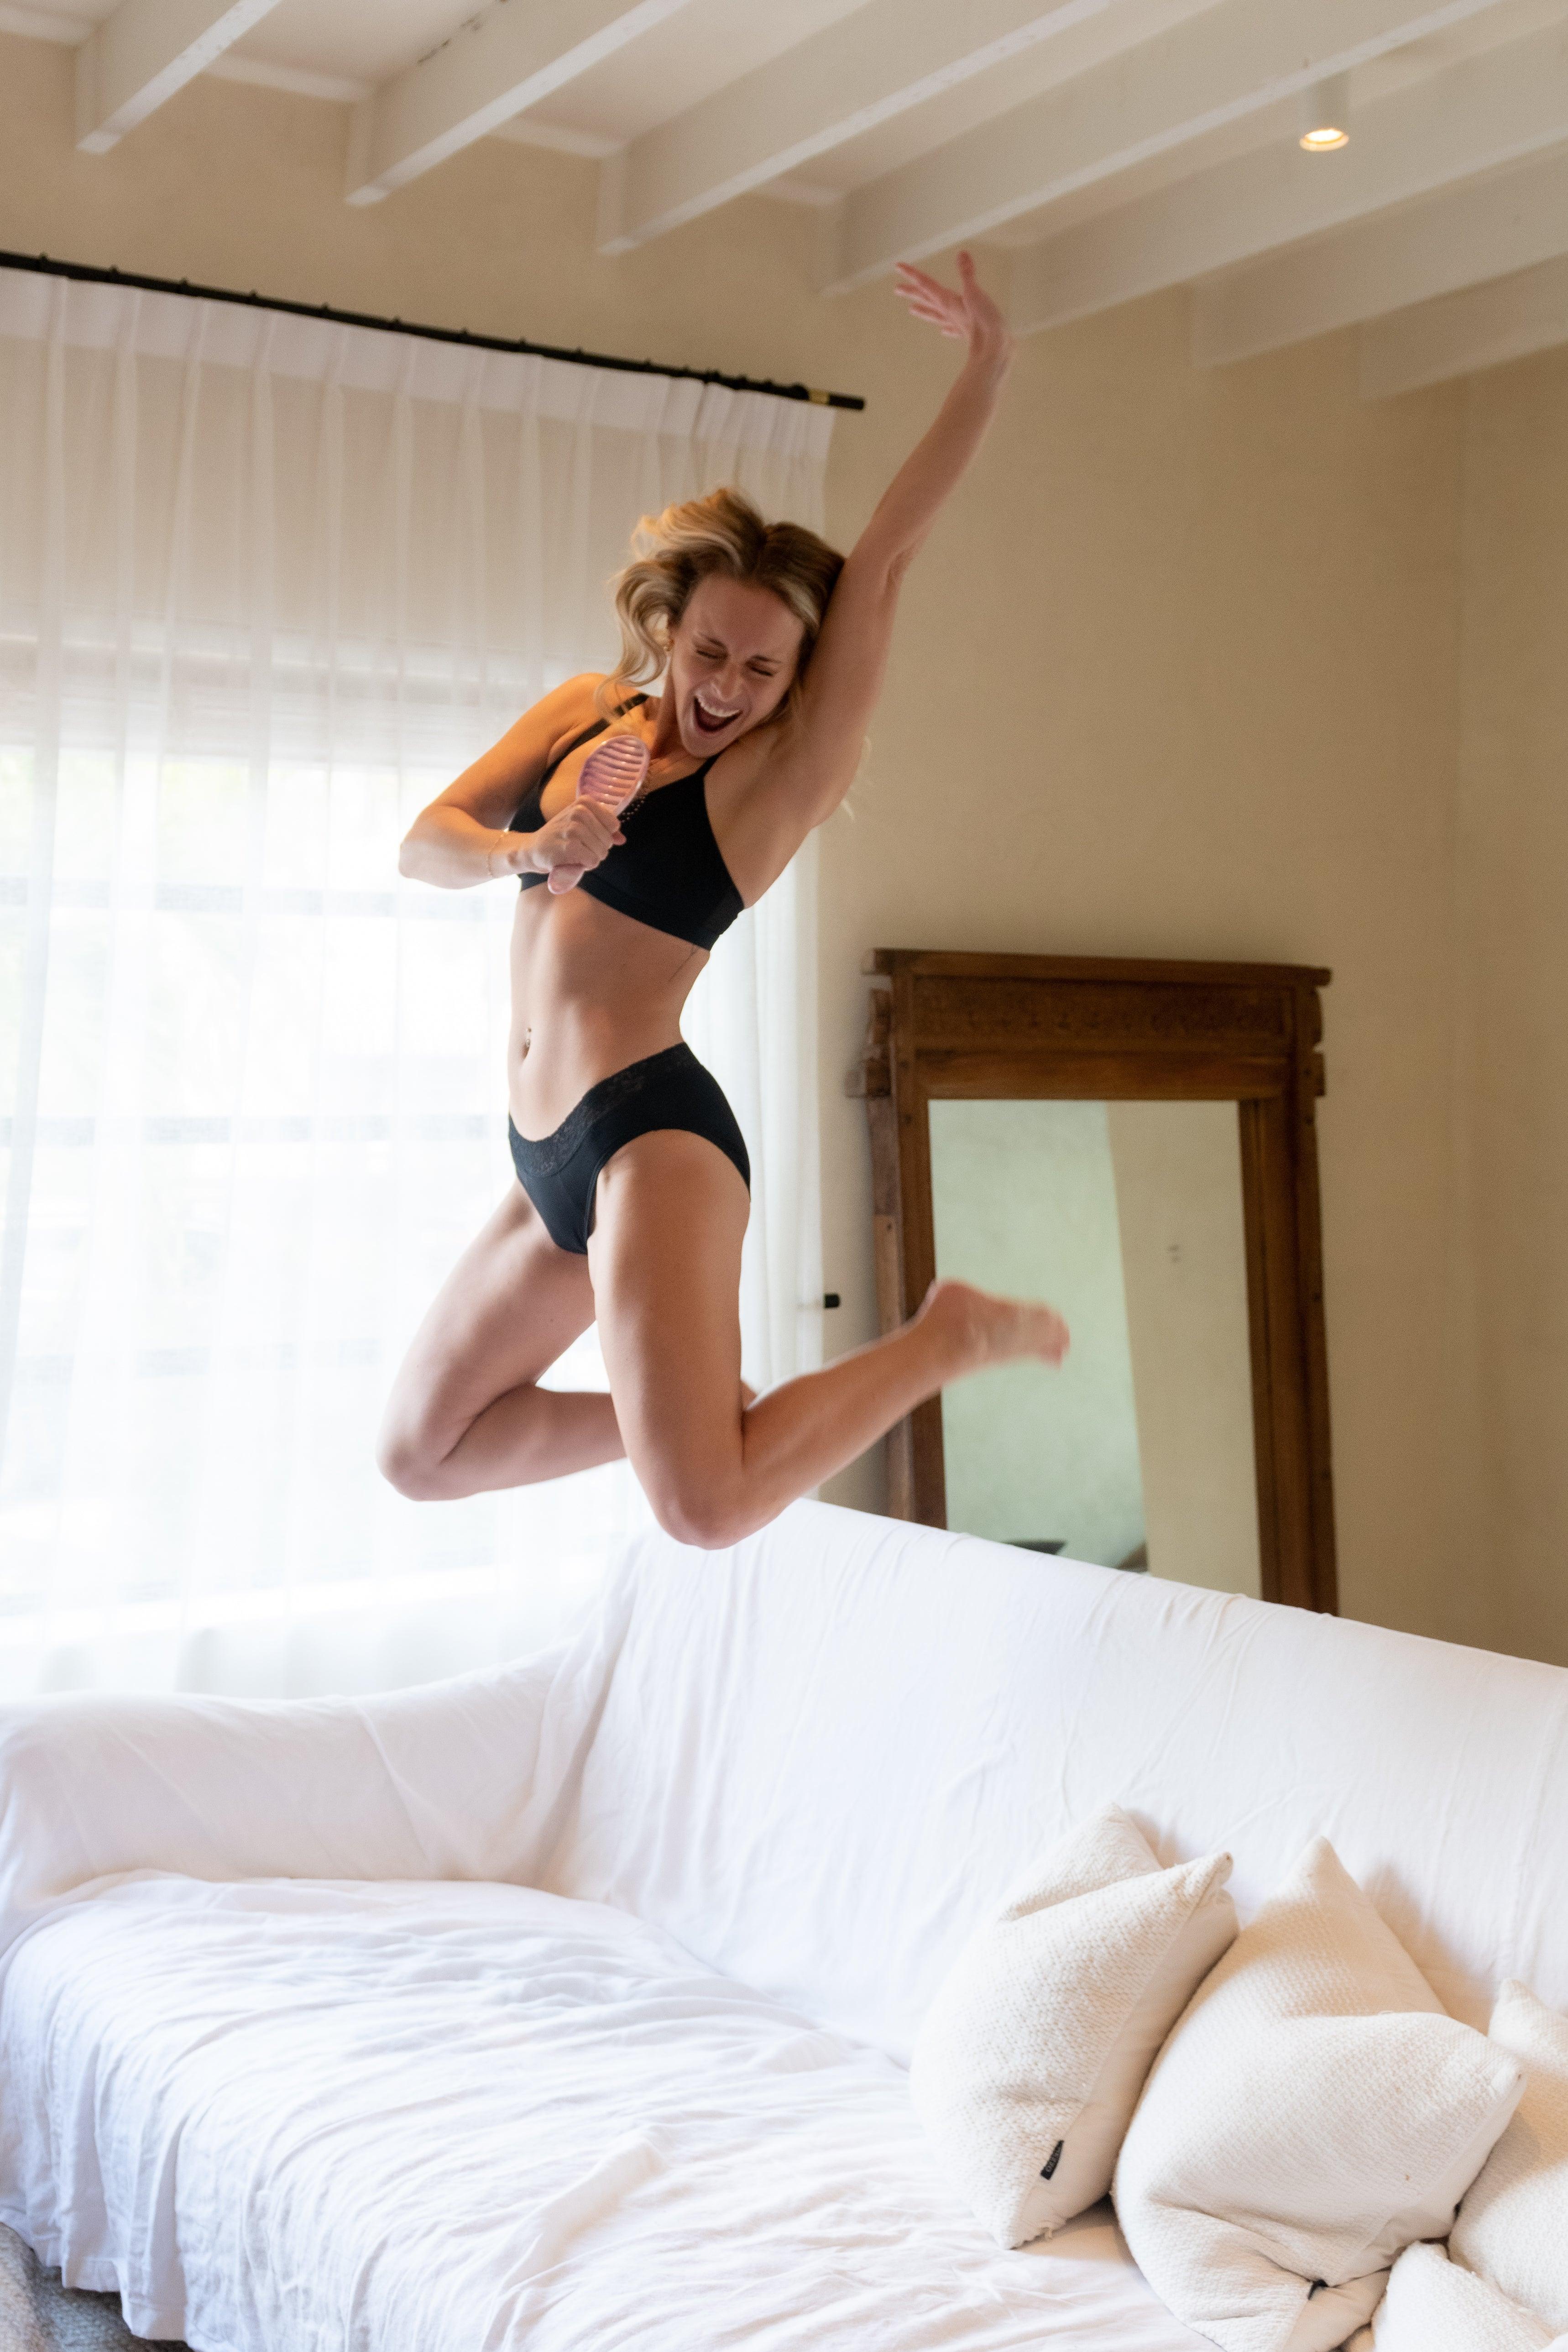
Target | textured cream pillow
(1436,2305)
(1313,2112)
(1031,2057)
(1513,2224)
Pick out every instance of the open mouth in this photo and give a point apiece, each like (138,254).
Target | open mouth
(710,721)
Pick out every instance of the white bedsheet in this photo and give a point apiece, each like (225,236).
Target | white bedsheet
(287,2111)
(824,1756)
(329,2117)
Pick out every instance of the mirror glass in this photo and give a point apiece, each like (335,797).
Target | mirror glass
(1127,1216)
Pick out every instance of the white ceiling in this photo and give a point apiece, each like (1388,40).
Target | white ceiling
(1106,148)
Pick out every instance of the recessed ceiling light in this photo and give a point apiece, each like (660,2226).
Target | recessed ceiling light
(1325,113)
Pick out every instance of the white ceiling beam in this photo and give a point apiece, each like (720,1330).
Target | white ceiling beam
(1508,102)
(1479,328)
(43,24)
(143,53)
(1231,60)
(500,62)
(302,81)
(879,61)
(1461,237)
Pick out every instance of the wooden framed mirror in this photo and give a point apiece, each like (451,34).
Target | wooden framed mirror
(1136,1142)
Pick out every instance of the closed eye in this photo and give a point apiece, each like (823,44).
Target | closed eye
(762,667)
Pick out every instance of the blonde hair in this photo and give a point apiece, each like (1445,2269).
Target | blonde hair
(721,532)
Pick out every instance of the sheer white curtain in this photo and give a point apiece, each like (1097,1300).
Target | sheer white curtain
(266,584)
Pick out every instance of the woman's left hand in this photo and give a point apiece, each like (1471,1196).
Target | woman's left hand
(967,311)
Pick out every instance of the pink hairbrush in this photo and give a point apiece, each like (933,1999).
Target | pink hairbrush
(610,777)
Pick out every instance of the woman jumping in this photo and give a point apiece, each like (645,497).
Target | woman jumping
(632,1191)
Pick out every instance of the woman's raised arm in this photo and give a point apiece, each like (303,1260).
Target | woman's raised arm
(818,761)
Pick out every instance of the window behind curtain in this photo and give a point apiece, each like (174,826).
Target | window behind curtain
(266,585)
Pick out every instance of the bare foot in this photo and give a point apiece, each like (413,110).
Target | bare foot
(982,1328)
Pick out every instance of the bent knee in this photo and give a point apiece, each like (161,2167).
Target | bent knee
(701,1515)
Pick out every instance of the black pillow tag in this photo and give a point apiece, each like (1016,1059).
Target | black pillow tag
(1055,2158)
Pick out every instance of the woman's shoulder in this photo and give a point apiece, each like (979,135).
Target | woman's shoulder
(575,701)
(564,712)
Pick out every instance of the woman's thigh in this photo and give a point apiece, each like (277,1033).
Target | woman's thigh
(510,1306)
(665,1256)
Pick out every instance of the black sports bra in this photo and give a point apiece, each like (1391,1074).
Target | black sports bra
(669,872)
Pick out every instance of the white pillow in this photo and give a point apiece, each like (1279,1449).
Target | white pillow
(1030,2059)
(1436,2305)
(1513,2224)
(1313,2112)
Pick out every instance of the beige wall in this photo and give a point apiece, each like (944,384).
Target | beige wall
(1177,676)
(1512,900)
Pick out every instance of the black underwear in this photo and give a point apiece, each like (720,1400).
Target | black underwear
(560,1172)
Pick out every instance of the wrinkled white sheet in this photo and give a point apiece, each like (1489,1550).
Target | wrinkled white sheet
(462,1779)
(824,1756)
(459,2117)
(337,2117)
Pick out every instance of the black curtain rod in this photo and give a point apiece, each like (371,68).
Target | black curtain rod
(44,267)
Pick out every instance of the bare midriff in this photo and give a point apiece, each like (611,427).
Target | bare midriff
(591,990)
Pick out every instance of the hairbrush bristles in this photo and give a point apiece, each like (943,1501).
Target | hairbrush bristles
(611,775)
(613,772)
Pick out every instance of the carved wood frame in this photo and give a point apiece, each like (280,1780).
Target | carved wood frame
(1088,1028)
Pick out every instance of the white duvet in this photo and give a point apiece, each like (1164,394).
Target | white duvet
(325,2116)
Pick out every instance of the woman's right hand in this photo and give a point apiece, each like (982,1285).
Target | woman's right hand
(580,834)
(966,313)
